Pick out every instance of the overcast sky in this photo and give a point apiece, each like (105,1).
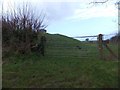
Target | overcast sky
(75,17)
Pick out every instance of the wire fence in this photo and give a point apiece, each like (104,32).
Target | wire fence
(74,49)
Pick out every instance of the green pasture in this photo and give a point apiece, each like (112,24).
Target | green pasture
(63,66)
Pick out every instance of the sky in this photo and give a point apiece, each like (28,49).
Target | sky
(74,17)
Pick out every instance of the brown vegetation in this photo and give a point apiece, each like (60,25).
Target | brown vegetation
(20,30)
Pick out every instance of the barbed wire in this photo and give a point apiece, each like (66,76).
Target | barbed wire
(85,36)
(82,50)
(111,34)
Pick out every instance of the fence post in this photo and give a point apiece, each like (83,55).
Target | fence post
(112,53)
(100,47)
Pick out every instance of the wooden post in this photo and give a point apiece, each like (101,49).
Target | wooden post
(112,53)
(100,47)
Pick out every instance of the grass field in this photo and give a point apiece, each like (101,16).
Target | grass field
(63,66)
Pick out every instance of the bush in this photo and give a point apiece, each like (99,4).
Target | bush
(20,30)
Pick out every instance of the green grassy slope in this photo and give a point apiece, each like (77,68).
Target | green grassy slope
(64,65)
(63,46)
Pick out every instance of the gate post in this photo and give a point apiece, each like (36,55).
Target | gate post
(100,47)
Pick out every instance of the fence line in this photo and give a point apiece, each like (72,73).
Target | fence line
(100,43)
(84,36)
(112,34)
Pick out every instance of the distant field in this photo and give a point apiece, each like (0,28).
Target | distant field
(64,66)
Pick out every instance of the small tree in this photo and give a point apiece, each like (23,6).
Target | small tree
(19,28)
(87,39)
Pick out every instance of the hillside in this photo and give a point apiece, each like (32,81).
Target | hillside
(116,38)
(59,45)
(63,46)
(63,66)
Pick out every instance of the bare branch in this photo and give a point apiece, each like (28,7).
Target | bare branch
(19,26)
(99,2)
